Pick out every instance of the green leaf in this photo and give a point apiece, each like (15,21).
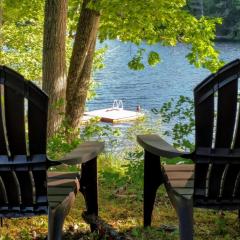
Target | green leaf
(153,58)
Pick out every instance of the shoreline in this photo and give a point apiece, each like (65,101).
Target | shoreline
(226,39)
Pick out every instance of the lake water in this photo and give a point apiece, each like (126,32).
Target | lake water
(153,86)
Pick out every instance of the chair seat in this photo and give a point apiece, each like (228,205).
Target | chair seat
(60,185)
(180,179)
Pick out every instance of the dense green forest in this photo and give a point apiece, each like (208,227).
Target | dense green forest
(228,10)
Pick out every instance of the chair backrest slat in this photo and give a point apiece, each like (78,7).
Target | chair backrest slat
(215,179)
(226,112)
(236,192)
(40,179)
(37,119)
(3,145)
(204,115)
(230,180)
(201,170)
(12,187)
(3,193)
(27,187)
(14,112)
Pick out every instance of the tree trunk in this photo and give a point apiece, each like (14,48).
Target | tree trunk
(79,74)
(54,61)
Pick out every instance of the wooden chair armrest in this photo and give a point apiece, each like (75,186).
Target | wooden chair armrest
(156,145)
(83,153)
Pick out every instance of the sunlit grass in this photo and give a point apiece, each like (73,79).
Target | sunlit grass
(120,205)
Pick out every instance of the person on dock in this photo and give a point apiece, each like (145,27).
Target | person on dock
(138,109)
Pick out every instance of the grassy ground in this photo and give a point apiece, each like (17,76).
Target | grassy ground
(120,202)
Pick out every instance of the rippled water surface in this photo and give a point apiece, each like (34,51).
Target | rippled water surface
(154,85)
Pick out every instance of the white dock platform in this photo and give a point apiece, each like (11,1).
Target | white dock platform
(114,115)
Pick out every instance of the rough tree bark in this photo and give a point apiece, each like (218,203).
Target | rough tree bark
(79,74)
(54,61)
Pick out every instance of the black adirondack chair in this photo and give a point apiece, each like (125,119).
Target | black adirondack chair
(26,188)
(213,181)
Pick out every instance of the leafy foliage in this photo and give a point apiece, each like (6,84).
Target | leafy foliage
(179,114)
(22,31)
(60,143)
(136,62)
(153,58)
(159,21)
(102,132)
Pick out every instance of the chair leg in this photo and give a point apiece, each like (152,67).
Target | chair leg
(56,217)
(185,215)
(89,188)
(152,180)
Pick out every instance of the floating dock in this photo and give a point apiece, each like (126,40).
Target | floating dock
(113,115)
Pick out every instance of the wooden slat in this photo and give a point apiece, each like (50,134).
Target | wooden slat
(12,187)
(230,179)
(61,175)
(37,119)
(215,180)
(185,192)
(180,178)
(179,167)
(26,186)
(40,179)
(226,114)
(180,175)
(14,112)
(3,146)
(200,187)
(182,183)
(3,193)
(236,191)
(204,117)
(60,185)
(60,191)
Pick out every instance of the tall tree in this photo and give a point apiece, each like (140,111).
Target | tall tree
(54,60)
(81,64)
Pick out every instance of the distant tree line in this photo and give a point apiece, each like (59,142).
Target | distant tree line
(228,10)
